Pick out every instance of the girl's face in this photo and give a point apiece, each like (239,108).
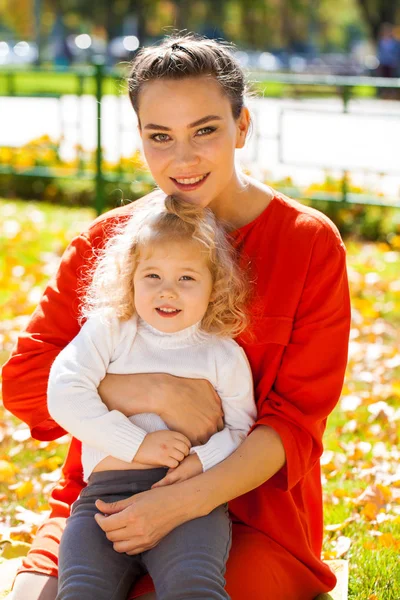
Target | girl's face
(172,285)
(189,139)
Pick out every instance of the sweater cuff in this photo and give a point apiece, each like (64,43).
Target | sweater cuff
(209,455)
(125,441)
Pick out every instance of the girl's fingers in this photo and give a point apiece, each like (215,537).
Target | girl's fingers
(182,447)
(172,463)
(183,438)
(177,454)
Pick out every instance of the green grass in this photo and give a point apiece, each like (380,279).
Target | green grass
(26,82)
(29,83)
(276,89)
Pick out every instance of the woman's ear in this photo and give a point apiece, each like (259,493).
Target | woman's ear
(242,127)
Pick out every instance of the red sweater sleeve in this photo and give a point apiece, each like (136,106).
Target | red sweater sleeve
(310,377)
(53,324)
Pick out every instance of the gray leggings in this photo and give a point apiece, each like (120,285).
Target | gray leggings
(188,563)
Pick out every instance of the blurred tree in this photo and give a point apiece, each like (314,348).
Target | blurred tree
(376,12)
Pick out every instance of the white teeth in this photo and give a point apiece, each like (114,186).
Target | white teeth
(190,181)
(168,310)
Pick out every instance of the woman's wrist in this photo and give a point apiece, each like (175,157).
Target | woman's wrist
(134,393)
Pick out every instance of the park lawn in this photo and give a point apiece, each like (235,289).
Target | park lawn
(31,83)
(361,476)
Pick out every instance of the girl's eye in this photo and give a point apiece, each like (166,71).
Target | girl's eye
(187,278)
(160,137)
(206,131)
(153,276)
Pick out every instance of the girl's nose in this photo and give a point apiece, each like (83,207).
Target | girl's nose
(168,292)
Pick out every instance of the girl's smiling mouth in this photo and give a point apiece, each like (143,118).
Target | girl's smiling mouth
(165,311)
(189,183)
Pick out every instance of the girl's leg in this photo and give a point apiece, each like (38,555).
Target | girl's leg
(89,567)
(190,561)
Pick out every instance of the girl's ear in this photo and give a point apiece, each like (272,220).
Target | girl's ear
(242,127)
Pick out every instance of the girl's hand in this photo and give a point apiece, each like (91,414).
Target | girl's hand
(189,467)
(163,448)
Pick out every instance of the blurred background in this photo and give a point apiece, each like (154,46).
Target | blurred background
(321,72)
(325,82)
(317,36)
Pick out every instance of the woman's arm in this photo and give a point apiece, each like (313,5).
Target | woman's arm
(127,523)
(190,406)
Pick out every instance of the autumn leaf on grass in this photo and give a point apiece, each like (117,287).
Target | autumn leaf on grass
(376,494)
(12,549)
(7,471)
(340,526)
(340,548)
(387,540)
(22,489)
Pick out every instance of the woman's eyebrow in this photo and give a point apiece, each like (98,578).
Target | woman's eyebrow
(195,124)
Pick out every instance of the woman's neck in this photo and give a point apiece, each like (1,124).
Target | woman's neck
(242,202)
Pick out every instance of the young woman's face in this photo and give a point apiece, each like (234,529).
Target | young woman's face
(189,138)
(172,285)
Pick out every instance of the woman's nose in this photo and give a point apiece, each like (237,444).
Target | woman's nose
(186,156)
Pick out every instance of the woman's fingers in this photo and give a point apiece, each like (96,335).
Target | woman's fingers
(109,523)
(111,508)
(117,535)
(169,478)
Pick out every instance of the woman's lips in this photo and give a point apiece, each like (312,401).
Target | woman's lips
(189,187)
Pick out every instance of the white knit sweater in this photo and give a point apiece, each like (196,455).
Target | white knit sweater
(134,346)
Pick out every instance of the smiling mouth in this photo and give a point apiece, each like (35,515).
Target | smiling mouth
(190,183)
(168,312)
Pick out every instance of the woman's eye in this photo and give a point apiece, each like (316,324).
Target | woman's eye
(187,278)
(153,276)
(160,137)
(205,131)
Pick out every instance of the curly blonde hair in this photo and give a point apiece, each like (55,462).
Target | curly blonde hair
(162,220)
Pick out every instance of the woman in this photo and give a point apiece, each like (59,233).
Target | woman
(188,94)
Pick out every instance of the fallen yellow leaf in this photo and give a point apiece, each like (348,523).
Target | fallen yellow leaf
(24,489)
(370,511)
(7,471)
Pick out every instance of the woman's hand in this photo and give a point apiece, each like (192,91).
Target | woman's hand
(190,406)
(138,523)
(163,448)
(189,467)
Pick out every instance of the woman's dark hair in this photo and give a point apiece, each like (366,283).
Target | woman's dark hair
(190,55)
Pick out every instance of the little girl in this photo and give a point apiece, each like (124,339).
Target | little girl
(166,296)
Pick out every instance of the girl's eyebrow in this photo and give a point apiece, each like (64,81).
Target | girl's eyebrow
(195,124)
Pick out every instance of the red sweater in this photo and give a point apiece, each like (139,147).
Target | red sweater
(298,356)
